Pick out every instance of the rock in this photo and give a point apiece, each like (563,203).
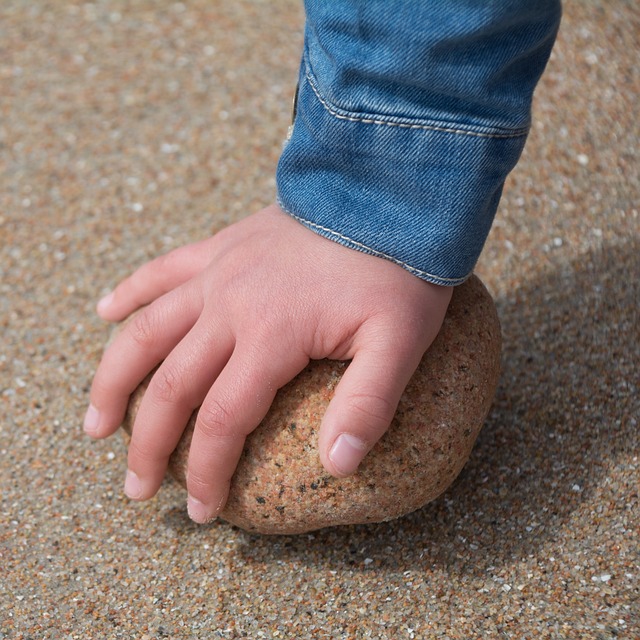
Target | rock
(280,487)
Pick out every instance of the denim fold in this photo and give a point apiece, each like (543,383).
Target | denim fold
(409,117)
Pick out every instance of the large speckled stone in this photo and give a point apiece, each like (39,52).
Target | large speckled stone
(280,485)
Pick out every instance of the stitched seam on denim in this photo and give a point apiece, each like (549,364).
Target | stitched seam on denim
(406,125)
(374,252)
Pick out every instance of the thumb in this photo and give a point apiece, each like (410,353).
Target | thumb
(363,406)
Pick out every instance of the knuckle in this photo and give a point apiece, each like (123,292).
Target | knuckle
(143,329)
(167,385)
(198,482)
(100,388)
(372,409)
(141,453)
(215,420)
(107,394)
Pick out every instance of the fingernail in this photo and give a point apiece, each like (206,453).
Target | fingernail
(91,421)
(347,453)
(132,486)
(199,512)
(105,302)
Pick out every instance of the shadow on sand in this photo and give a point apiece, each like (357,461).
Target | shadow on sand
(565,411)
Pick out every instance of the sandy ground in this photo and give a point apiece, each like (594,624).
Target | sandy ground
(130,128)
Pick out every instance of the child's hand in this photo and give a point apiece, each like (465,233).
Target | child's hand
(237,316)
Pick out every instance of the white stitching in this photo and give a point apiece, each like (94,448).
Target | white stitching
(379,254)
(405,125)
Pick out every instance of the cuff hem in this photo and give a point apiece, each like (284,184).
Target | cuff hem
(359,246)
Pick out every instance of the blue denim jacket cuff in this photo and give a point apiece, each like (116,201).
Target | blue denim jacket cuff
(419,192)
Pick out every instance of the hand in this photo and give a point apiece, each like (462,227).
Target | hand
(235,317)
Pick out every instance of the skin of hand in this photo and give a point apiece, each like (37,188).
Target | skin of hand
(235,317)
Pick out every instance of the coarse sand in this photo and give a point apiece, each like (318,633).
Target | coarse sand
(130,128)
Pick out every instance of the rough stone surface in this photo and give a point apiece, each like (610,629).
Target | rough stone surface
(280,485)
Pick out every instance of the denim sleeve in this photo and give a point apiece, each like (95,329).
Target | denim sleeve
(410,114)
